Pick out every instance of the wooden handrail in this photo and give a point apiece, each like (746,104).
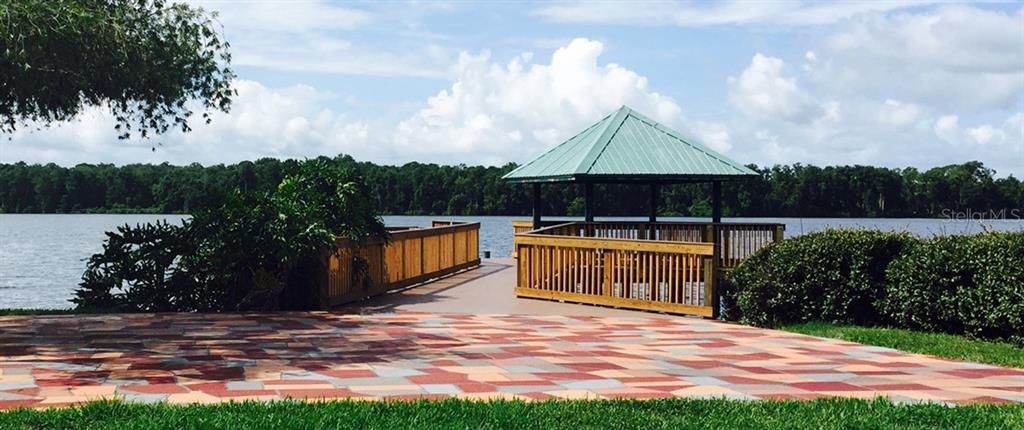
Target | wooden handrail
(735,241)
(407,257)
(548,223)
(552,229)
(696,248)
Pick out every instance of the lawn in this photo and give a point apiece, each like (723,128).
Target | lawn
(716,414)
(936,344)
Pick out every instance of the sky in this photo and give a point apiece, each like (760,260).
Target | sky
(886,83)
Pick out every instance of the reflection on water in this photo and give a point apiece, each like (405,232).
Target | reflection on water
(42,257)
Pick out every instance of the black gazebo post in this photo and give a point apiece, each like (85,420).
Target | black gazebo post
(536,205)
(588,202)
(652,216)
(716,202)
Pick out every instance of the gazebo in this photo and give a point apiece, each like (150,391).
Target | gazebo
(660,266)
(627,147)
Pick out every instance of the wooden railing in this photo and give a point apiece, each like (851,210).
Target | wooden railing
(736,241)
(410,256)
(523,226)
(666,266)
(556,264)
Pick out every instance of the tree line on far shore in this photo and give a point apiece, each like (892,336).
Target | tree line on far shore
(968,189)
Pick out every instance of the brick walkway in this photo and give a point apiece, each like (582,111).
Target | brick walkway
(179,358)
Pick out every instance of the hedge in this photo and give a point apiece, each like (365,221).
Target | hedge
(971,284)
(835,275)
(960,284)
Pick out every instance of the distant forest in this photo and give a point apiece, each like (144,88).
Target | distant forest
(429,189)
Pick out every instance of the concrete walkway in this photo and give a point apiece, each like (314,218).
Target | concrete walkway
(484,290)
(464,336)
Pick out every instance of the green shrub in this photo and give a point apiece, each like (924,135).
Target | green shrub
(836,275)
(251,251)
(960,284)
(138,265)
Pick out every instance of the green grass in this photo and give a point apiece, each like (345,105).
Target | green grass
(936,344)
(716,414)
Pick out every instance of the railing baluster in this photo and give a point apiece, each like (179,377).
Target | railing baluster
(558,268)
(687,270)
(588,258)
(675,279)
(652,272)
(656,286)
(576,270)
(589,265)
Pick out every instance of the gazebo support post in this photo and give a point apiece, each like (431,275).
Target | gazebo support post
(536,206)
(716,217)
(653,213)
(652,216)
(716,202)
(588,202)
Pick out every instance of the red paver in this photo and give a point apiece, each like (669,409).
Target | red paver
(182,358)
(154,388)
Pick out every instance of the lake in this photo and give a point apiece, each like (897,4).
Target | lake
(42,257)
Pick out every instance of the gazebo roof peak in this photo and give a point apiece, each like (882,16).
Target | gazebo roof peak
(628,146)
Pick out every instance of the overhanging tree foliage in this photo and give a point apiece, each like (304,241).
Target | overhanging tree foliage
(145,60)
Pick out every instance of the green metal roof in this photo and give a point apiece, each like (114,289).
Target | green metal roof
(627,146)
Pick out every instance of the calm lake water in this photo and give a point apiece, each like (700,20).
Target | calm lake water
(42,257)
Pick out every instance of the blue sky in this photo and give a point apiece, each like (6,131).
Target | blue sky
(892,83)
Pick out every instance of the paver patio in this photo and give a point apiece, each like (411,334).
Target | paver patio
(405,353)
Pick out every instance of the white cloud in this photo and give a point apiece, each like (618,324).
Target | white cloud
(888,133)
(899,114)
(490,114)
(263,122)
(927,87)
(954,57)
(907,89)
(495,113)
(947,128)
(785,122)
(699,14)
(315,36)
(1010,135)
(292,17)
(762,91)
(713,134)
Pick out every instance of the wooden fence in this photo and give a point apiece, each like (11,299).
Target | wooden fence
(736,241)
(648,275)
(410,256)
(523,226)
(665,267)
